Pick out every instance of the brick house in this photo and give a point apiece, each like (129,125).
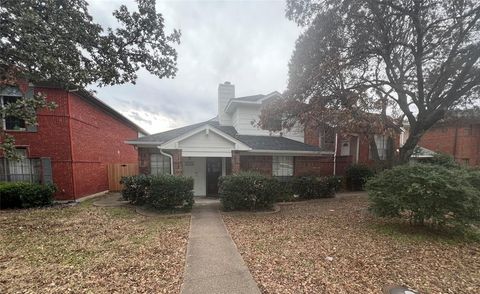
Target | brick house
(231,142)
(458,135)
(72,144)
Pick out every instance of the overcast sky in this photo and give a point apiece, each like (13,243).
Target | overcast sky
(248,43)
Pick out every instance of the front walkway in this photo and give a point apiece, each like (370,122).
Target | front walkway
(214,264)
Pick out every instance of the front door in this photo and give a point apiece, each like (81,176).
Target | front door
(214,171)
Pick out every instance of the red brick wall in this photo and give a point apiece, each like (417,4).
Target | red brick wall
(98,139)
(52,139)
(461,141)
(311,136)
(261,164)
(81,140)
(313,165)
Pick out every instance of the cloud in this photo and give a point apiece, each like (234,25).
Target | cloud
(246,42)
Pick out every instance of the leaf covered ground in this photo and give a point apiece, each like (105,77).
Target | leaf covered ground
(336,246)
(88,249)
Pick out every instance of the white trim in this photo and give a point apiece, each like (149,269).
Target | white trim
(335,155)
(238,144)
(289,152)
(169,156)
(358,149)
(258,102)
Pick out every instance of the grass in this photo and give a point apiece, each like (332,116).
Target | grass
(88,249)
(336,246)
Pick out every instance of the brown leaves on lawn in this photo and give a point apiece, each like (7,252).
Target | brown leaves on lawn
(335,246)
(88,249)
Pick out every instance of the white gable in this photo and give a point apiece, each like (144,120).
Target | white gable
(205,141)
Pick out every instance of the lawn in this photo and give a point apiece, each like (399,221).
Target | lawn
(336,246)
(88,249)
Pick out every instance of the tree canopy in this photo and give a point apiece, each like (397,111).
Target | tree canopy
(412,59)
(58,41)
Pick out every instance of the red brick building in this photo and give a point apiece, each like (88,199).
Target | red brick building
(72,144)
(458,136)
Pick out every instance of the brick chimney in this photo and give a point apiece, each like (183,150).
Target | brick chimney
(226,91)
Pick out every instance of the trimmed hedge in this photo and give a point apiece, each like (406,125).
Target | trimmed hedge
(167,191)
(316,187)
(161,192)
(357,175)
(25,195)
(426,193)
(248,191)
(135,188)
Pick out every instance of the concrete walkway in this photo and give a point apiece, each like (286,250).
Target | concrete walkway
(213,264)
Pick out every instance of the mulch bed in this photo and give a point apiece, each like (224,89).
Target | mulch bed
(336,246)
(88,249)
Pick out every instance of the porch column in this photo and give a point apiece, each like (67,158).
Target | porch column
(177,162)
(235,162)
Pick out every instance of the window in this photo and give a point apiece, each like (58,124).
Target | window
(159,164)
(282,166)
(23,170)
(382,146)
(12,123)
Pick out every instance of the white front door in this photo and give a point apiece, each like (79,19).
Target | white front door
(345,150)
(195,167)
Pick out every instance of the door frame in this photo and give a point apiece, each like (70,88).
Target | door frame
(208,179)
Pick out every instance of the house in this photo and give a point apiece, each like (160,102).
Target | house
(457,135)
(231,142)
(72,144)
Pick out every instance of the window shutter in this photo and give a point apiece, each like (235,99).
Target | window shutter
(47,176)
(29,95)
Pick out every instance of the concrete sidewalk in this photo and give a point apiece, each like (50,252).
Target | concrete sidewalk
(213,264)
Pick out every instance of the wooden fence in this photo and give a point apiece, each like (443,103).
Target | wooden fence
(117,171)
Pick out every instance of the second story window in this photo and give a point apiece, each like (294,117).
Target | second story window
(12,123)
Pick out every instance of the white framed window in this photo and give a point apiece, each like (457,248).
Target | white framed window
(12,123)
(22,170)
(382,146)
(159,164)
(282,166)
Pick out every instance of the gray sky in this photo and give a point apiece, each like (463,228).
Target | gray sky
(246,42)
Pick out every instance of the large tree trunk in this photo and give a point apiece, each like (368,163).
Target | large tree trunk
(407,149)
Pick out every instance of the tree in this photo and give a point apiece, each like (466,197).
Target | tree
(58,41)
(412,59)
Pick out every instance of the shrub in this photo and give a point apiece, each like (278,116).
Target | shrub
(443,160)
(161,192)
(248,191)
(426,194)
(311,187)
(25,195)
(167,191)
(357,175)
(135,188)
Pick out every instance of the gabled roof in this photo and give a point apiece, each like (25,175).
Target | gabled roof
(89,97)
(252,100)
(256,143)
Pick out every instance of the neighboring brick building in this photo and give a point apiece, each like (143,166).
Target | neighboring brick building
(458,135)
(71,145)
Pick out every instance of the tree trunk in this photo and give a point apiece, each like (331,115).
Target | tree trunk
(407,149)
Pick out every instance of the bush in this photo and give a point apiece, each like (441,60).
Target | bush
(426,193)
(357,175)
(167,191)
(25,195)
(248,191)
(135,188)
(310,187)
(161,192)
(443,160)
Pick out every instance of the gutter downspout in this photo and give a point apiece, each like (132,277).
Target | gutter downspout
(169,156)
(335,155)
